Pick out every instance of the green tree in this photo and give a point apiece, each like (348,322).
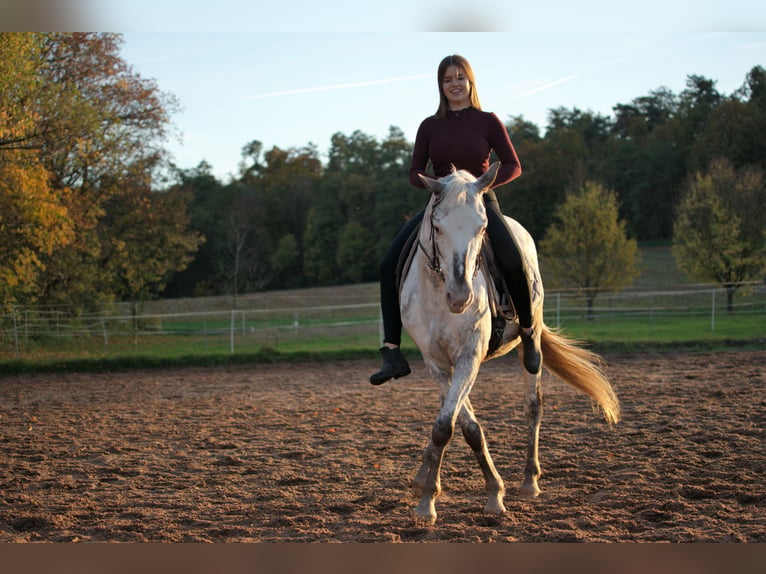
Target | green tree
(720,231)
(637,120)
(697,102)
(208,212)
(735,126)
(646,176)
(587,247)
(145,237)
(646,162)
(286,262)
(355,252)
(321,241)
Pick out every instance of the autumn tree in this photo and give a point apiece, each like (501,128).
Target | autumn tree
(76,127)
(720,230)
(34,220)
(33,224)
(100,123)
(587,247)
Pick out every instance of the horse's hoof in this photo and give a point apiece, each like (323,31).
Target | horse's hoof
(529,491)
(425,513)
(425,520)
(495,508)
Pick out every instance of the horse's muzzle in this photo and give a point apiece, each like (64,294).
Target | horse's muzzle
(459,298)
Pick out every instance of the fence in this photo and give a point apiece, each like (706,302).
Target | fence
(335,322)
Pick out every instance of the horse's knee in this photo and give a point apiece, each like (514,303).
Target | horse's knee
(442,431)
(473,436)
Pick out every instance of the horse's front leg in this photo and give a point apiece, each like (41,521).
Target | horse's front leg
(428,479)
(474,436)
(533,411)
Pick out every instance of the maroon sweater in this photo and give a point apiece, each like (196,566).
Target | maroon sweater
(465,140)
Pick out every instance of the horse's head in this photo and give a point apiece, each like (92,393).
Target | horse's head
(457,219)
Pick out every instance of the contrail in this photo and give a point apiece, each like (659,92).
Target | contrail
(336,87)
(546,86)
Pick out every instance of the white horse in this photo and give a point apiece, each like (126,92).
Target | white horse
(445,309)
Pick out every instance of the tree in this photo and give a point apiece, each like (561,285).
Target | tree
(34,220)
(646,177)
(286,262)
(734,128)
(20,63)
(646,162)
(635,121)
(145,239)
(355,252)
(33,223)
(209,215)
(697,102)
(321,241)
(587,247)
(720,232)
(75,124)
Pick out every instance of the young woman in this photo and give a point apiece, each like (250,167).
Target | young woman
(460,134)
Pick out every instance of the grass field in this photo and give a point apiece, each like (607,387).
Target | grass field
(661,310)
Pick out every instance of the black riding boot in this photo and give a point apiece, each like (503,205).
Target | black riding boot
(394,366)
(530,353)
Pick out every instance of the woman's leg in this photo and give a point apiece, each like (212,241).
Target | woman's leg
(508,258)
(394,363)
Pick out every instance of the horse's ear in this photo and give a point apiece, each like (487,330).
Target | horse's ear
(434,185)
(488,178)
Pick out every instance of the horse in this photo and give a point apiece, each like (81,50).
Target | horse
(445,305)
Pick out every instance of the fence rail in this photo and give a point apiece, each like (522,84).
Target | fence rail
(130,329)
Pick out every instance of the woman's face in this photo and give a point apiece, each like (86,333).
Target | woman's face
(456,88)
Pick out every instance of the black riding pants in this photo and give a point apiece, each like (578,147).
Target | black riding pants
(506,254)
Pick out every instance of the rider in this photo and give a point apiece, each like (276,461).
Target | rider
(463,136)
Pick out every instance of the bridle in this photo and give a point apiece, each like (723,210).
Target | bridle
(432,258)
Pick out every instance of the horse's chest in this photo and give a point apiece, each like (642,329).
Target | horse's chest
(430,323)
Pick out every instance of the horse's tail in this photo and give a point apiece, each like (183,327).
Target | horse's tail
(572,363)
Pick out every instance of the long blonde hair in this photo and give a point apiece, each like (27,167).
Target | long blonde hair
(465,67)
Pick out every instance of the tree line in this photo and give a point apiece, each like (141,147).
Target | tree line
(92,210)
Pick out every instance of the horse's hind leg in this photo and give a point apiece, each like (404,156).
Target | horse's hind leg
(533,411)
(474,436)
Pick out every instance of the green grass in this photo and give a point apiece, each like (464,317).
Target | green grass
(669,331)
(342,322)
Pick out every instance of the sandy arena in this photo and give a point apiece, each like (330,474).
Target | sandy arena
(314,453)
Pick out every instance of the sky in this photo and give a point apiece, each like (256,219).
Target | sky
(290,73)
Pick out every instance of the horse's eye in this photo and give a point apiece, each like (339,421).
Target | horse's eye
(438,230)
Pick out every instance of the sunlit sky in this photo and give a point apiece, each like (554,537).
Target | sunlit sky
(244,74)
